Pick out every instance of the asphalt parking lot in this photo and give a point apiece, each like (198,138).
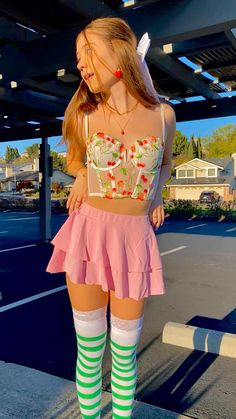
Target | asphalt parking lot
(199,266)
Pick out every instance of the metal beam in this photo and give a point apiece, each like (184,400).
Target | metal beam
(59,89)
(204,109)
(24,113)
(155,56)
(28,132)
(164,26)
(9,30)
(200,45)
(182,20)
(186,111)
(41,56)
(44,191)
(20,16)
(231,35)
(178,71)
(89,8)
(216,65)
(33,101)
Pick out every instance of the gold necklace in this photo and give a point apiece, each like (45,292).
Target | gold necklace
(122,128)
(120,113)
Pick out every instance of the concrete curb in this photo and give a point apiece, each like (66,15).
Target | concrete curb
(30,394)
(206,340)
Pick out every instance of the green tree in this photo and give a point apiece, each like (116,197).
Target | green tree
(192,152)
(16,153)
(199,148)
(179,143)
(32,150)
(59,162)
(222,142)
(11,153)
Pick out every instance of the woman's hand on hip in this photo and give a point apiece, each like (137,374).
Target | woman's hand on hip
(78,193)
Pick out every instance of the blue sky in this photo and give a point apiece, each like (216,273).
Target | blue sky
(198,128)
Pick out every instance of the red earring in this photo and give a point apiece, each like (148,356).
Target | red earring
(118,73)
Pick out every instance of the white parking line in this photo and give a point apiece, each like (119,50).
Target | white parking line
(198,225)
(29,299)
(16,248)
(231,229)
(18,219)
(173,250)
(21,212)
(12,212)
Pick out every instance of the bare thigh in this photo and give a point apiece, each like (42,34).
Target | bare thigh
(126,308)
(86,297)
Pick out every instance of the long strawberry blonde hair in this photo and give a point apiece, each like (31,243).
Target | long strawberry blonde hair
(119,38)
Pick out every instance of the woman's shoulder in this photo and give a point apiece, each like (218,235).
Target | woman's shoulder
(169,113)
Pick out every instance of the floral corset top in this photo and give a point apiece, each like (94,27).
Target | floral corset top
(115,171)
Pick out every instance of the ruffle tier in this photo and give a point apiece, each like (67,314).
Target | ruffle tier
(121,257)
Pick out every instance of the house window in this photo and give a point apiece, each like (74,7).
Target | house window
(211,172)
(185,173)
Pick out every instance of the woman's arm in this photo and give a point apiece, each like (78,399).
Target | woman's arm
(76,159)
(79,189)
(76,156)
(165,173)
(156,210)
(76,167)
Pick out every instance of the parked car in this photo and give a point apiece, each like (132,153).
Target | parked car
(209,197)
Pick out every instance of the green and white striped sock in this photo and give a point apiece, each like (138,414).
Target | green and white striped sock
(91,333)
(123,343)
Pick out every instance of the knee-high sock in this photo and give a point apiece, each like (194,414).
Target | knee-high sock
(91,333)
(124,339)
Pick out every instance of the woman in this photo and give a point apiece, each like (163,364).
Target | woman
(119,138)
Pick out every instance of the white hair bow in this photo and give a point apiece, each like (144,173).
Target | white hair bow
(142,49)
(143,45)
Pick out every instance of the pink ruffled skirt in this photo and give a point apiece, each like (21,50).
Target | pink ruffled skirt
(117,251)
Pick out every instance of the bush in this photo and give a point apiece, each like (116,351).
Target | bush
(182,207)
(30,204)
(188,208)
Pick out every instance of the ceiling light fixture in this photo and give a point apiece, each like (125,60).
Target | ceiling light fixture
(26,27)
(168,48)
(128,3)
(61,73)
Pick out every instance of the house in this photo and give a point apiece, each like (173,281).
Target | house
(9,169)
(63,179)
(199,175)
(10,174)
(62,153)
(8,184)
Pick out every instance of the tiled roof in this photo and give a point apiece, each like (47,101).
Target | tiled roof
(221,161)
(201,181)
(29,175)
(58,176)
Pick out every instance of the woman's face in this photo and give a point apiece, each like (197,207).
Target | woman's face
(96,59)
